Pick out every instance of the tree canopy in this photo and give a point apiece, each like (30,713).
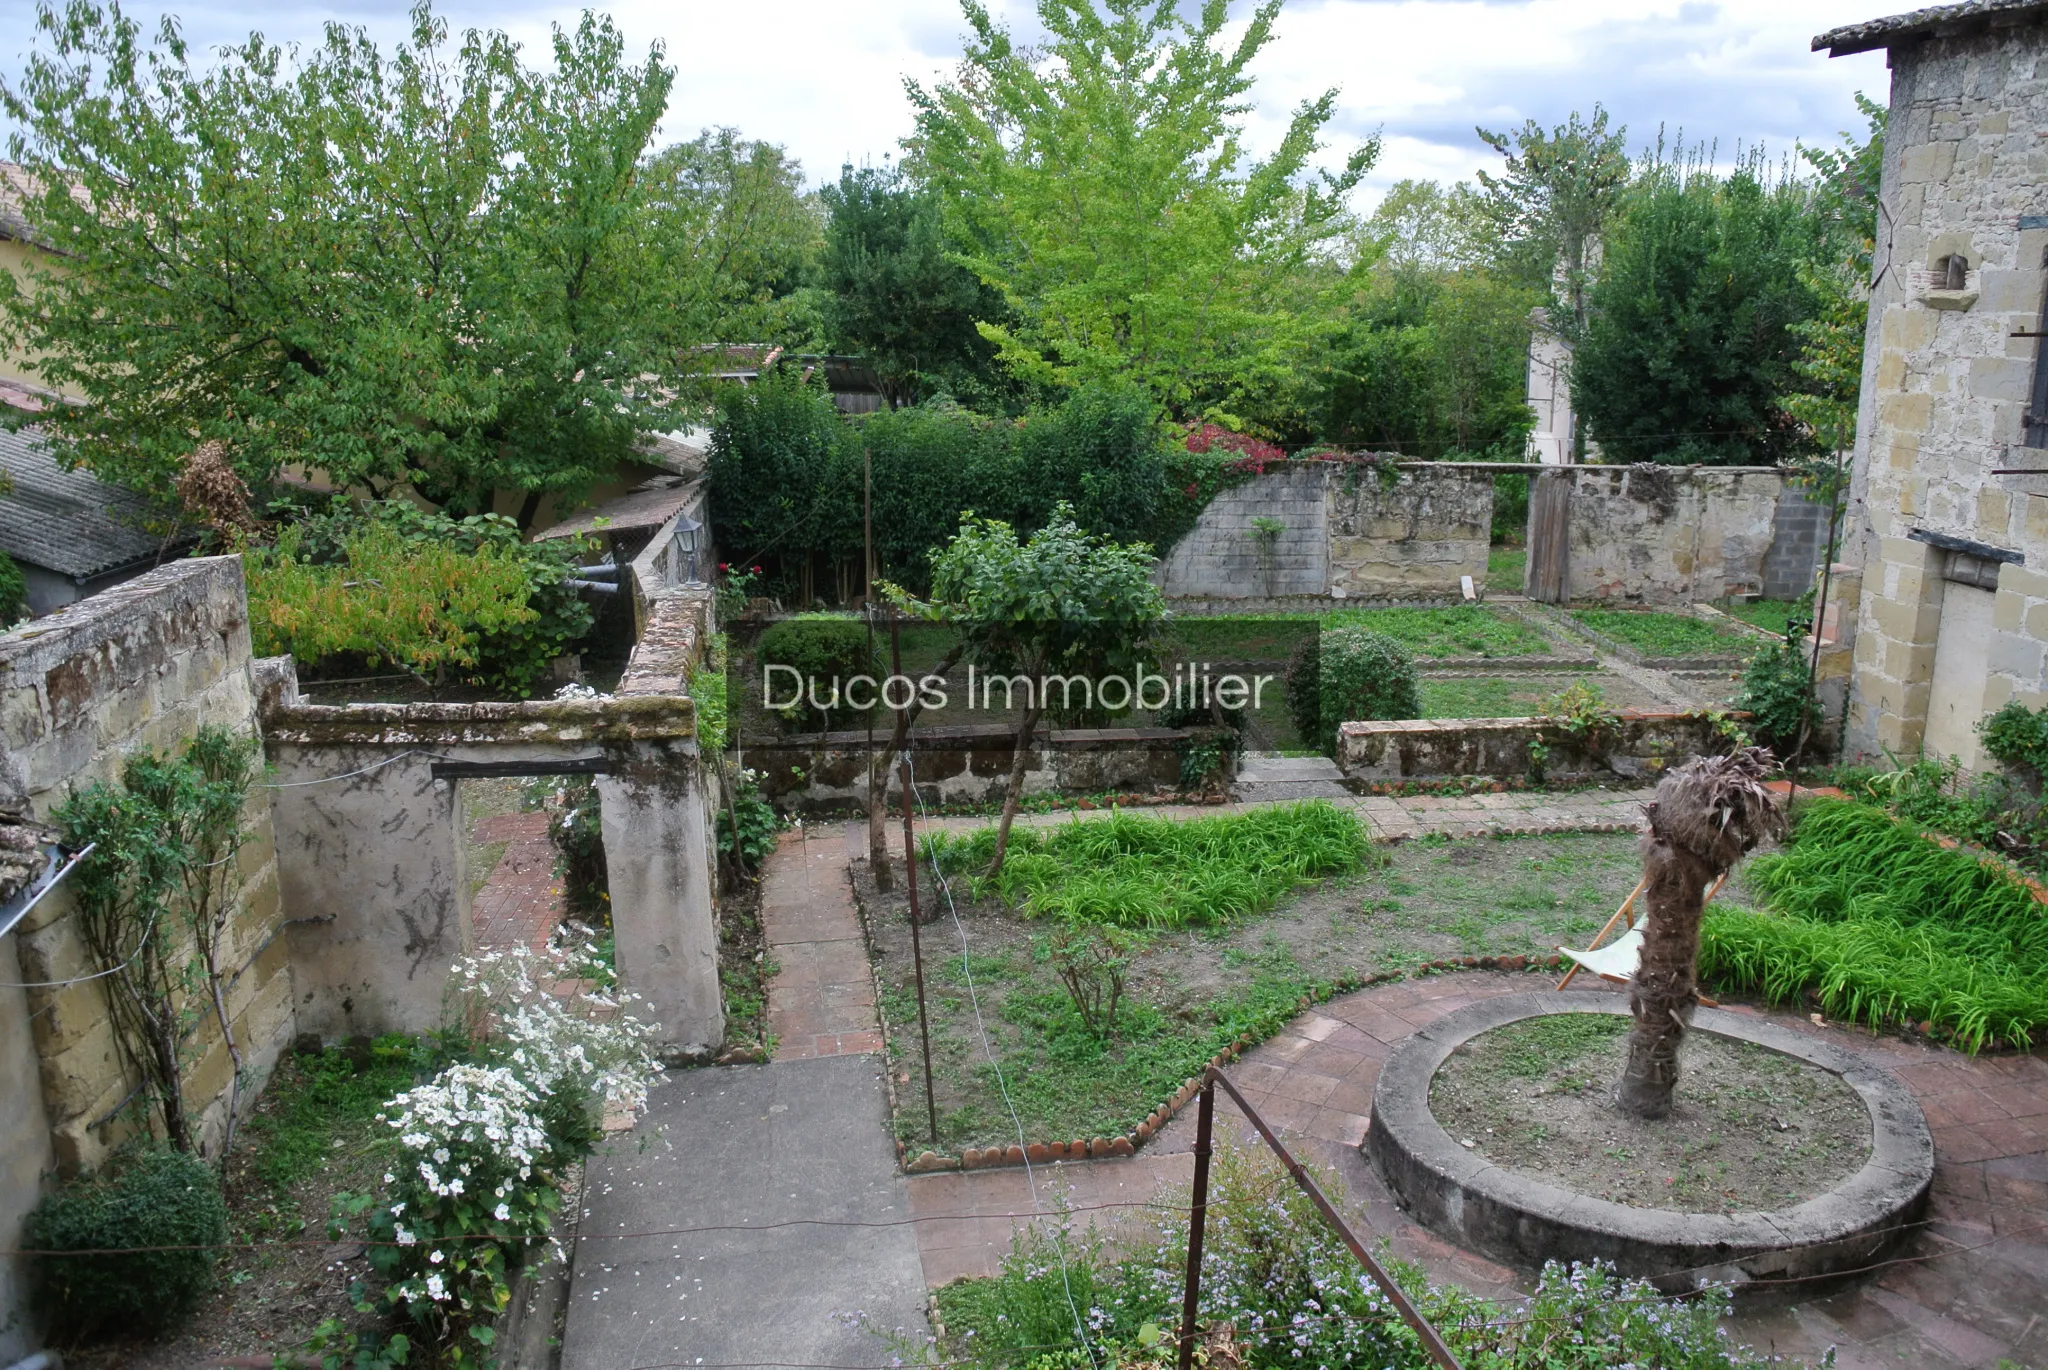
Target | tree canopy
(1100,184)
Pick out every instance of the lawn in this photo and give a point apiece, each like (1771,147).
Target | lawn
(1461,630)
(1657,634)
(1772,615)
(1506,567)
(1189,992)
(1520,696)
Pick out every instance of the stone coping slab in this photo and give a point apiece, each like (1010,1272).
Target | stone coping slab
(1526,1222)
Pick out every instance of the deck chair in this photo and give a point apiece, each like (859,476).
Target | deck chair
(1617,961)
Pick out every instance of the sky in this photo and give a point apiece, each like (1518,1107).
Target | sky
(825,77)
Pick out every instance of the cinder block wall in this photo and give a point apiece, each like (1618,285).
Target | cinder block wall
(1226,557)
(1946,382)
(141,666)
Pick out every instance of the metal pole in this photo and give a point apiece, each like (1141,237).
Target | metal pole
(924,1032)
(1432,1341)
(1205,1118)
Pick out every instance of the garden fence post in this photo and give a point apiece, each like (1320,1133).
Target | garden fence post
(924,1032)
(1205,1117)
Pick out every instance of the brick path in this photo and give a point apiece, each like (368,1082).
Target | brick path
(521,903)
(822,1002)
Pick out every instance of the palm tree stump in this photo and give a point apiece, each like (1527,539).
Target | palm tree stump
(1706,816)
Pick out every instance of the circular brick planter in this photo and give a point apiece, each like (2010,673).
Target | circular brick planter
(1525,1222)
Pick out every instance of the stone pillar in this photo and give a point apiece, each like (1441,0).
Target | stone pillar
(664,928)
(1896,627)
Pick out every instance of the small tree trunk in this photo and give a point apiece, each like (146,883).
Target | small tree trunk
(1666,987)
(878,776)
(1018,765)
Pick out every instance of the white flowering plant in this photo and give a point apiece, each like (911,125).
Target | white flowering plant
(483,1145)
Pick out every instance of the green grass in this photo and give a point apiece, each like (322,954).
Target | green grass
(1134,872)
(1772,615)
(1506,568)
(1658,634)
(1462,630)
(1482,697)
(1881,924)
(313,1101)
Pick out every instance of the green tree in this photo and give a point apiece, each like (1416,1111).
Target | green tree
(1062,602)
(1691,338)
(1101,186)
(899,300)
(434,267)
(1553,201)
(741,238)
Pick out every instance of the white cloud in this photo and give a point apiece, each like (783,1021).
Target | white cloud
(826,78)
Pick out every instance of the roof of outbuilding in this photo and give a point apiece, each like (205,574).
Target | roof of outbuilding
(69,522)
(1883,33)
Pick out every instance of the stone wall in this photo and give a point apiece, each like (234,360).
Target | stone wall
(1647,534)
(1226,557)
(141,666)
(1642,743)
(1946,386)
(969,765)
(1343,532)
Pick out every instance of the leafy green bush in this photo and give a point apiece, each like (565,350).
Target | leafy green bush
(1364,675)
(2018,736)
(1883,925)
(1775,695)
(577,829)
(2004,812)
(826,654)
(747,830)
(13,593)
(1134,872)
(153,1197)
(390,582)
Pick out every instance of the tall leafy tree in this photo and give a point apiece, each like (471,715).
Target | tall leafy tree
(897,297)
(428,267)
(1100,184)
(1692,331)
(1554,198)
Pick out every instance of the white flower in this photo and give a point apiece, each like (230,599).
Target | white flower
(405,1238)
(390,1178)
(503,1213)
(434,1257)
(436,1287)
(397,1209)
(454,1187)
(440,1155)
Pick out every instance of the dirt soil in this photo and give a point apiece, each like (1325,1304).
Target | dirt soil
(1750,1130)
(1429,899)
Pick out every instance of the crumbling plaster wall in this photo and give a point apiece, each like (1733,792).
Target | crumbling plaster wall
(1647,534)
(372,862)
(141,666)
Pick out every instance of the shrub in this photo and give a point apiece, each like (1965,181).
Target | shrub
(152,1196)
(13,593)
(1304,682)
(430,594)
(826,654)
(1091,962)
(2018,736)
(577,829)
(746,831)
(1774,693)
(1364,675)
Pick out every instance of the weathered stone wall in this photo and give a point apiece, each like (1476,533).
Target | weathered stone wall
(1649,534)
(1225,557)
(1946,380)
(970,765)
(25,1158)
(1642,743)
(1413,537)
(141,666)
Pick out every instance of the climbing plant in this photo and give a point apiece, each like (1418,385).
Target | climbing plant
(154,902)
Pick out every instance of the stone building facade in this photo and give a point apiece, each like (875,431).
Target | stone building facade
(1947,546)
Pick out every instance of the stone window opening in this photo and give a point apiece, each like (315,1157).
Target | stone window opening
(1955,271)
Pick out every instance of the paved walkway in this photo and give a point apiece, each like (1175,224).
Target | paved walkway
(521,903)
(822,1001)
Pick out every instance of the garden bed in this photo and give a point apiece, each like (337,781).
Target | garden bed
(1193,992)
(1663,641)
(1750,1130)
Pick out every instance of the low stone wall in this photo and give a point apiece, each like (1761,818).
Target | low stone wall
(808,772)
(141,666)
(1641,743)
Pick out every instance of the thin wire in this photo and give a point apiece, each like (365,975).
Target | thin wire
(1002,1085)
(96,975)
(349,775)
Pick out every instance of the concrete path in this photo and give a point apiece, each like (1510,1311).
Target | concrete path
(1269,776)
(745,1147)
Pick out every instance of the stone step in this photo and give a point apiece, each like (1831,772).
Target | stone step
(1259,768)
